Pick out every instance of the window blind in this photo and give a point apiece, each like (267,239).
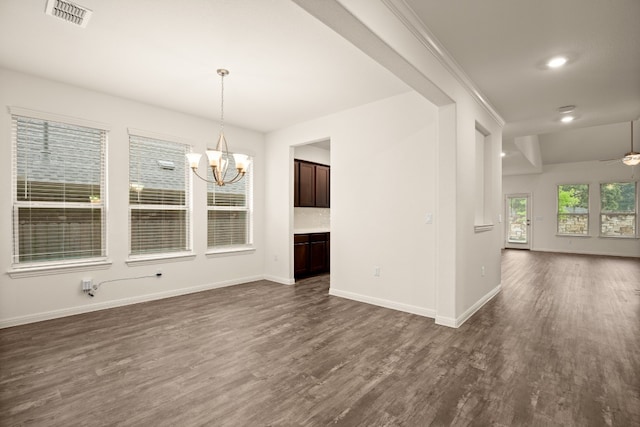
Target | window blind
(58,191)
(159,206)
(229,210)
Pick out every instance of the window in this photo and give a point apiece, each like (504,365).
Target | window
(159,196)
(573,210)
(58,192)
(618,209)
(229,211)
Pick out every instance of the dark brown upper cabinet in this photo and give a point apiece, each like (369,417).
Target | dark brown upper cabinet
(311,185)
(322,186)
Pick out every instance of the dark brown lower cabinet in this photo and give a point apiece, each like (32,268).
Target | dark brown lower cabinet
(301,254)
(311,254)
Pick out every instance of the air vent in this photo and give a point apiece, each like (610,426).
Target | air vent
(69,12)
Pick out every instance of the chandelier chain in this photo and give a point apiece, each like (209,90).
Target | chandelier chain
(222,102)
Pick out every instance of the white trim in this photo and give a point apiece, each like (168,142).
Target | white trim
(483,227)
(281,280)
(54,314)
(160,259)
(457,322)
(583,252)
(25,112)
(159,136)
(45,270)
(412,22)
(230,251)
(407,308)
(449,322)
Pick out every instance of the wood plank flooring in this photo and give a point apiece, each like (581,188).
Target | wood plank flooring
(559,346)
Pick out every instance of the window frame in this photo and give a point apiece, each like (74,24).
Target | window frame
(36,268)
(248,208)
(587,214)
(636,233)
(160,256)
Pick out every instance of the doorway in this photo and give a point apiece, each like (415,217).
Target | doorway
(518,215)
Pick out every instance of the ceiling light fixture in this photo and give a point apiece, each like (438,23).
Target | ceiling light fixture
(631,158)
(567,119)
(567,109)
(219,158)
(557,62)
(503,154)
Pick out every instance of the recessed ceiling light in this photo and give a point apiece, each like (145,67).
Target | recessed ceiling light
(567,119)
(556,62)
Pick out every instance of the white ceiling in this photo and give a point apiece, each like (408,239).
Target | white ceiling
(287,67)
(503,46)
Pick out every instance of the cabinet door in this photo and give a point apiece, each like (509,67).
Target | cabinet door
(322,186)
(296,183)
(318,249)
(307,184)
(301,255)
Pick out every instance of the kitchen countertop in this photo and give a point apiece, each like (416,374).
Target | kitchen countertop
(310,230)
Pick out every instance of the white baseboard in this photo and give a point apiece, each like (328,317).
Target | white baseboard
(446,321)
(281,280)
(71,311)
(413,309)
(561,251)
(457,322)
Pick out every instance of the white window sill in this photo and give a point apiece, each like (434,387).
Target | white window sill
(573,235)
(604,236)
(45,270)
(161,259)
(238,250)
(482,227)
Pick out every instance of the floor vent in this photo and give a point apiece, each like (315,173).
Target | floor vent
(69,12)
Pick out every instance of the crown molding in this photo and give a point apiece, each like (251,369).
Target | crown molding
(414,24)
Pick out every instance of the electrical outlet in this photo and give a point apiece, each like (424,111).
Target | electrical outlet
(86,285)
(482,271)
(376,271)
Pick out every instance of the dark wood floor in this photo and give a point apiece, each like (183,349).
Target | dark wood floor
(560,345)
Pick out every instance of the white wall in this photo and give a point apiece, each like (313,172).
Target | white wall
(312,154)
(390,33)
(380,193)
(542,188)
(35,298)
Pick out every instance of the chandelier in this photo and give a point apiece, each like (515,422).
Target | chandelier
(219,158)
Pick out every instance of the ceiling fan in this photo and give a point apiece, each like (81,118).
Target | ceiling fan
(632,158)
